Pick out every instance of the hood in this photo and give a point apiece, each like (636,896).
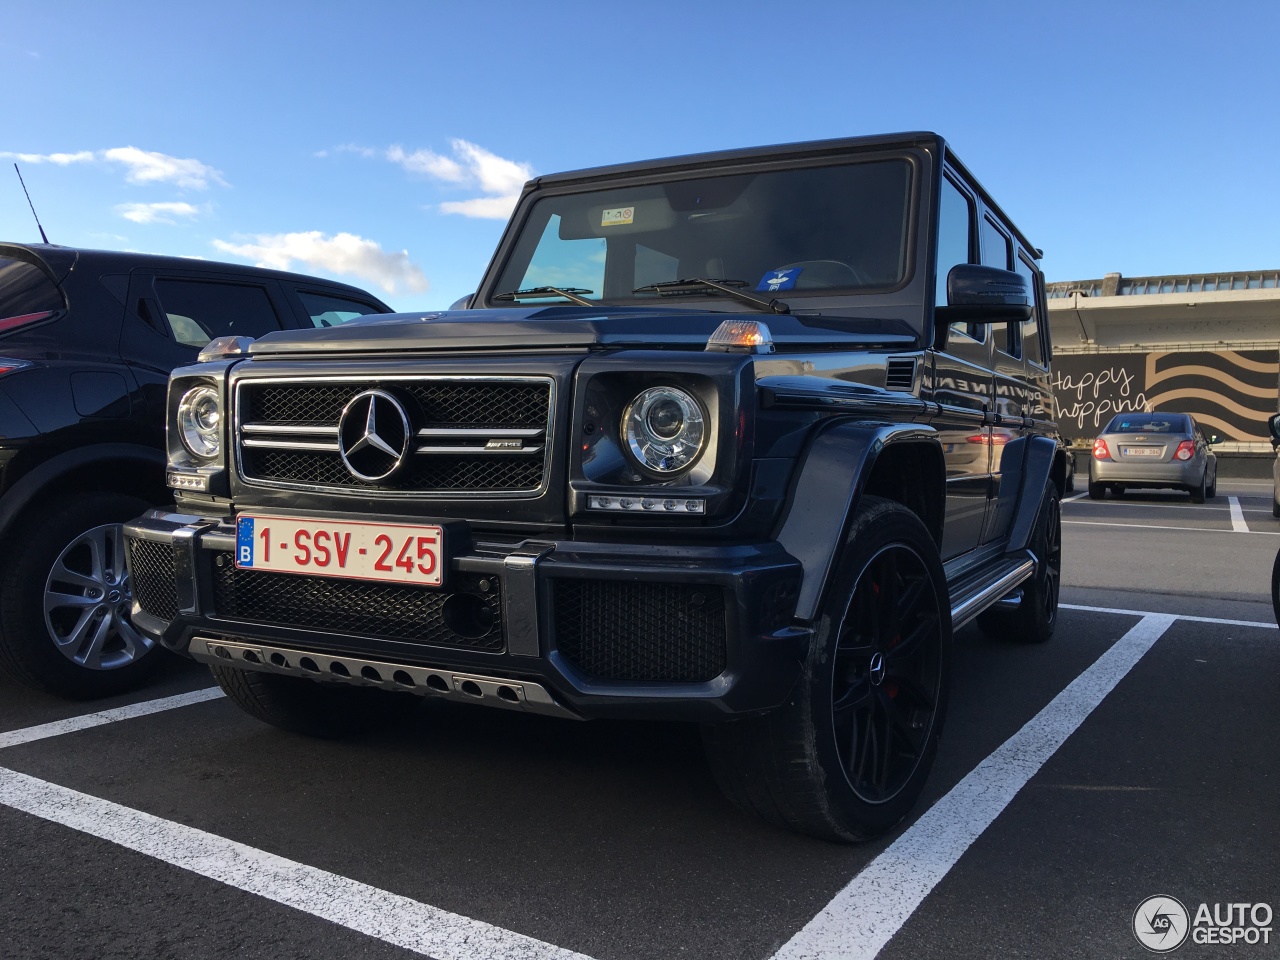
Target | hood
(575,328)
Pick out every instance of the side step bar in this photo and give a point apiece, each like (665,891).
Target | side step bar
(404,678)
(976,593)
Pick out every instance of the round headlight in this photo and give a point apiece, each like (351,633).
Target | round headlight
(665,429)
(200,420)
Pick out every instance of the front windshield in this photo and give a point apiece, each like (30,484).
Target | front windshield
(810,230)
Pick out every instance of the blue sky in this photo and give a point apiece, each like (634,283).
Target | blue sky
(380,143)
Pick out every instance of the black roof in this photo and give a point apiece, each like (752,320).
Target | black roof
(59,260)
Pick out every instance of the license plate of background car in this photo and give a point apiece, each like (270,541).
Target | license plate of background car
(1142,451)
(392,552)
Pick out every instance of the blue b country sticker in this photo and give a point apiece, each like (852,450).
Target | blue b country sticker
(244,541)
(779,279)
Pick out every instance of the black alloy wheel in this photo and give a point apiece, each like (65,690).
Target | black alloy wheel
(886,675)
(848,755)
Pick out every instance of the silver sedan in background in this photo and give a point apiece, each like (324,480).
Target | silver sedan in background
(1167,450)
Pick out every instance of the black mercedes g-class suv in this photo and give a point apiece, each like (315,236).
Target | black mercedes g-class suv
(87,340)
(737,438)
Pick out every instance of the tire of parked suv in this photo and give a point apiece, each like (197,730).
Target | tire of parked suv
(65,598)
(1211,489)
(1036,616)
(1198,493)
(1097,490)
(309,707)
(848,754)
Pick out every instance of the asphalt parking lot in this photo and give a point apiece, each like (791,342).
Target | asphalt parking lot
(1135,755)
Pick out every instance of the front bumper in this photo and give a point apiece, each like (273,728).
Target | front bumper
(646,631)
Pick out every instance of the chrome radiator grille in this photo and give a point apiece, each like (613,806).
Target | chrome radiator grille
(464,434)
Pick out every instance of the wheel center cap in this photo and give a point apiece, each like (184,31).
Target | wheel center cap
(114,596)
(877,669)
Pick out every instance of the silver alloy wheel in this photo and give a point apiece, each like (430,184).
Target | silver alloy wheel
(87,599)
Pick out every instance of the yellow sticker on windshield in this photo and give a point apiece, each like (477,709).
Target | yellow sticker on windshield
(618,217)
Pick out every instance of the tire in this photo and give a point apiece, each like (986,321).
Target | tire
(1275,508)
(824,762)
(65,598)
(1211,490)
(1275,588)
(311,708)
(1198,493)
(1097,490)
(1036,615)
(1117,490)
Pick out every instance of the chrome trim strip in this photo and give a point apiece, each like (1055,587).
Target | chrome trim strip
(278,428)
(291,445)
(477,450)
(481,433)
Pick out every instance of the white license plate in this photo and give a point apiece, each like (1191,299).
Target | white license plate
(394,552)
(1142,451)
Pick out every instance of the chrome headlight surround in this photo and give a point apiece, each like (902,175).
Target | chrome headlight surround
(199,421)
(665,430)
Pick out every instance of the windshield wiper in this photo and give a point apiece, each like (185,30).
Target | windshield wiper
(722,286)
(572,294)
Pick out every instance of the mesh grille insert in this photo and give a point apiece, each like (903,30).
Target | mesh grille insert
(621,630)
(151,574)
(386,611)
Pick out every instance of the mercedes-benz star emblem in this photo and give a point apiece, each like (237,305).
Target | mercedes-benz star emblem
(373,435)
(877,668)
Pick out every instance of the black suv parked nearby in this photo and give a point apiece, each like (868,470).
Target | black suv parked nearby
(87,340)
(737,438)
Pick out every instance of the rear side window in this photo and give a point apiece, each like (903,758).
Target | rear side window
(24,290)
(327,310)
(199,310)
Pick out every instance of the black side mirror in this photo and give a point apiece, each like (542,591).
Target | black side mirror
(1273,424)
(463,304)
(1213,438)
(981,294)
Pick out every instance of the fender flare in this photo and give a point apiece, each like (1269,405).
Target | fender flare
(15,501)
(1037,473)
(829,485)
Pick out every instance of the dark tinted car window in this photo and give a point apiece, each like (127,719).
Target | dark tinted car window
(1148,423)
(199,310)
(25,289)
(326,310)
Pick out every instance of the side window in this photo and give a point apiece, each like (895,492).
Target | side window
(995,245)
(199,310)
(327,310)
(1031,329)
(955,245)
(955,232)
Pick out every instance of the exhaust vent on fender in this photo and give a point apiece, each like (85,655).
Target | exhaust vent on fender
(900,374)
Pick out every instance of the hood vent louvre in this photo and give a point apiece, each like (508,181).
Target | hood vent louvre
(901,373)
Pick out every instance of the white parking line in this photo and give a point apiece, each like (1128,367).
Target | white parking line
(1264,624)
(867,913)
(1156,526)
(1076,497)
(89,720)
(357,906)
(1237,517)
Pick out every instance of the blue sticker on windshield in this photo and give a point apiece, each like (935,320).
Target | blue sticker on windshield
(779,279)
(244,541)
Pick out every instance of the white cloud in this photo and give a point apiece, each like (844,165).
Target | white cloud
(61,159)
(156,212)
(342,253)
(141,166)
(147,166)
(498,178)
